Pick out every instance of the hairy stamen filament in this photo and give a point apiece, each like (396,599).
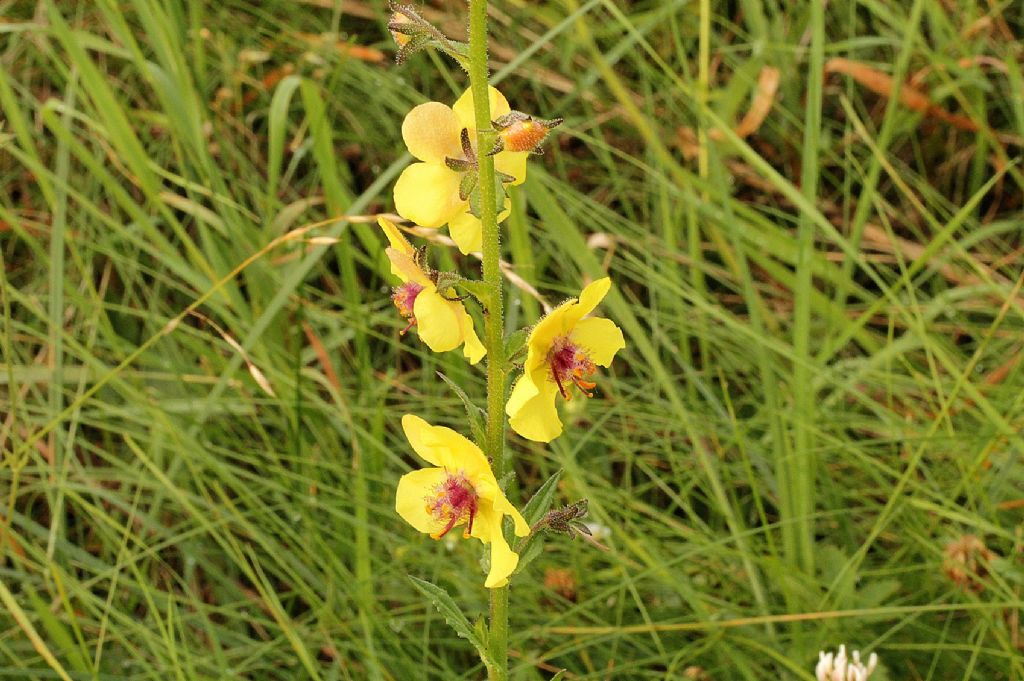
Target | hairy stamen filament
(404,298)
(570,363)
(454,502)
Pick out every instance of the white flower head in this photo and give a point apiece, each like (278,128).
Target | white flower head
(837,667)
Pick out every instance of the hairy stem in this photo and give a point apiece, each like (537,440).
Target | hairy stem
(494,321)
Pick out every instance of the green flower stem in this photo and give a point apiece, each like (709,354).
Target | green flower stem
(494,325)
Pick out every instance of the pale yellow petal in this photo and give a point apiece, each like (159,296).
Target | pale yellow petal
(472,348)
(419,434)
(466,232)
(537,418)
(444,447)
(428,194)
(414,492)
(553,325)
(464,107)
(395,236)
(523,391)
(593,294)
(512,163)
(487,527)
(437,320)
(403,267)
(600,338)
(431,132)
(504,506)
(561,321)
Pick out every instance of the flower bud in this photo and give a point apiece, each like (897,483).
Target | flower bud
(398,19)
(521,132)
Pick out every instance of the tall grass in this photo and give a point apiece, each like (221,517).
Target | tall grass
(821,388)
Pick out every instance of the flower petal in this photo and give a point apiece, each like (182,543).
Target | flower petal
(419,434)
(464,107)
(504,506)
(523,391)
(444,447)
(438,320)
(512,163)
(600,337)
(472,348)
(551,326)
(564,318)
(503,559)
(467,232)
(537,418)
(428,194)
(431,132)
(403,267)
(395,236)
(414,489)
(593,294)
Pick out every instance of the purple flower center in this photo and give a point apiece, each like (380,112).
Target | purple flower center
(569,363)
(454,501)
(404,298)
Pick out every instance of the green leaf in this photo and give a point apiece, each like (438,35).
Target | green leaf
(480,628)
(559,676)
(476,414)
(474,201)
(453,616)
(541,500)
(515,342)
(500,189)
(480,290)
(528,553)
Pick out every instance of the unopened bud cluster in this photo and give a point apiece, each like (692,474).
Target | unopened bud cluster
(568,520)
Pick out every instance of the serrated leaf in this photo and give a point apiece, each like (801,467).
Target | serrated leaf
(475,413)
(453,616)
(459,48)
(480,627)
(480,289)
(515,342)
(541,500)
(559,676)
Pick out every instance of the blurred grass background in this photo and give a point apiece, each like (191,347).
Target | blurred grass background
(820,284)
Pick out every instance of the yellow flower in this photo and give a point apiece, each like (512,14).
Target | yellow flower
(443,324)
(460,490)
(427,193)
(563,350)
